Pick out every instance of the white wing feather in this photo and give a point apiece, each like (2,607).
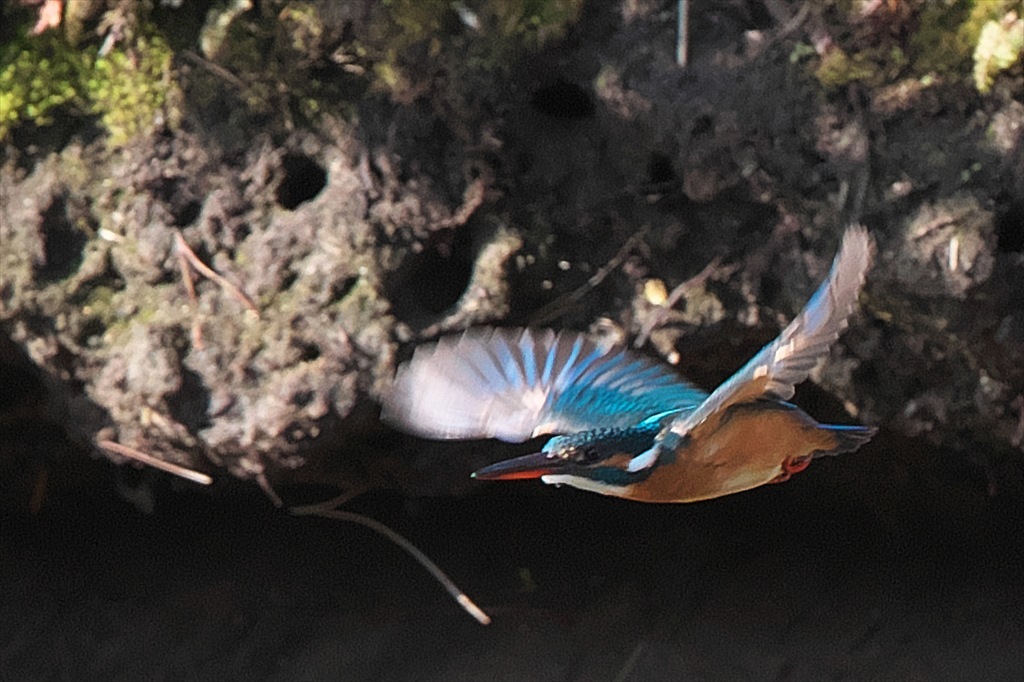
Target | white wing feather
(514,384)
(788,360)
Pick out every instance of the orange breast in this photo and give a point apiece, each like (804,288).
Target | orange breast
(744,450)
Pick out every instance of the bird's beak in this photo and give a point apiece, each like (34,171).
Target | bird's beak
(528,466)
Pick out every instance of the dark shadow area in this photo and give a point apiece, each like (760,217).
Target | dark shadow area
(433,280)
(862,567)
(660,170)
(62,243)
(304,178)
(563,99)
(190,404)
(846,572)
(1010,228)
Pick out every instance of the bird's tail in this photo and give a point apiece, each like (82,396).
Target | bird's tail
(846,438)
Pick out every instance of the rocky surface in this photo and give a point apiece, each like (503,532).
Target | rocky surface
(582,179)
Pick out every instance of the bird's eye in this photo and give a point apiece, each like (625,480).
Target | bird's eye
(587,455)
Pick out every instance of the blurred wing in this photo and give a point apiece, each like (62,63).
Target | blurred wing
(776,370)
(514,384)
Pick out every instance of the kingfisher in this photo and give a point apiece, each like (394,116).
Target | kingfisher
(625,425)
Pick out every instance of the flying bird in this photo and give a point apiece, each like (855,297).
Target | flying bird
(628,426)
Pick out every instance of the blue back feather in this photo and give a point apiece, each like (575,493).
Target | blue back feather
(514,384)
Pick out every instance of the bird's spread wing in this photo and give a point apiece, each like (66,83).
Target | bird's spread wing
(514,384)
(776,370)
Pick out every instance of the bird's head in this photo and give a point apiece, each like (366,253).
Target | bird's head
(606,461)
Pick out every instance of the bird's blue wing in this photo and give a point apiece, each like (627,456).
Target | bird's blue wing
(514,384)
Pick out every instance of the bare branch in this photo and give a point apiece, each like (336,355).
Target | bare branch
(458,595)
(169,467)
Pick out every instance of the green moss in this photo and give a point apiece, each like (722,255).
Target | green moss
(837,68)
(37,76)
(949,31)
(99,298)
(99,305)
(943,38)
(533,23)
(273,47)
(130,88)
(800,52)
(268,58)
(361,301)
(944,35)
(1000,45)
(415,20)
(361,308)
(873,67)
(288,60)
(458,36)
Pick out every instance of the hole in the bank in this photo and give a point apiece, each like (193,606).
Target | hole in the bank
(190,404)
(177,197)
(703,127)
(771,288)
(564,100)
(1010,229)
(303,179)
(295,432)
(659,168)
(62,243)
(302,398)
(186,214)
(342,287)
(308,352)
(289,279)
(434,280)
(67,123)
(22,379)
(759,17)
(95,296)
(92,328)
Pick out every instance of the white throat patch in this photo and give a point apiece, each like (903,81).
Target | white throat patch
(584,484)
(645,460)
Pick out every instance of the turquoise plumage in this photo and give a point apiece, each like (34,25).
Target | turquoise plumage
(628,426)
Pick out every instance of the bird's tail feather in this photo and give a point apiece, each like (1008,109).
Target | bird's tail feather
(847,438)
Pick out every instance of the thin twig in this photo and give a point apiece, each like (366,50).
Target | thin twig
(682,32)
(206,271)
(556,307)
(336,514)
(190,287)
(139,456)
(186,276)
(794,23)
(1017,439)
(215,69)
(657,316)
(39,486)
(209,273)
(331,504)
(268,490)
(630,665)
